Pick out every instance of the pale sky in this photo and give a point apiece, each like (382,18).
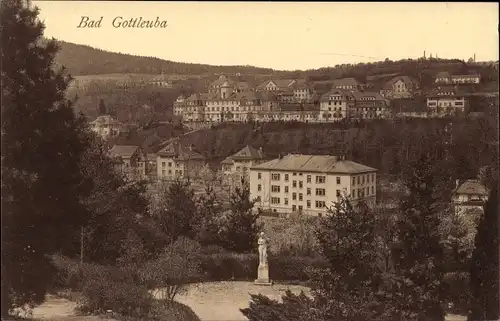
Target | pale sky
(284,36)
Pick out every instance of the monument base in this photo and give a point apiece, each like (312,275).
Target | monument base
(263,276)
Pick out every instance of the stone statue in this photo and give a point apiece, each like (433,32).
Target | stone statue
(263,269)
(262,250)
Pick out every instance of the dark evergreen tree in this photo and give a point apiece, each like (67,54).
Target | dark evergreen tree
(207,225)
(176,214)
(239,230)
(484,266)
(102,107)
(417,253)
(42,141)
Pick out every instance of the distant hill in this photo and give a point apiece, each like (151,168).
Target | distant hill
(85,60)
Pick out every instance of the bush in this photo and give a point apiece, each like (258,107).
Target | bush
(457,292)
(227,266)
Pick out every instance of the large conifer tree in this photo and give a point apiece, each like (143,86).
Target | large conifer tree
(42,141)
(417,253)
(484,264)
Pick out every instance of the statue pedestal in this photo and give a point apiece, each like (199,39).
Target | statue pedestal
(263,276)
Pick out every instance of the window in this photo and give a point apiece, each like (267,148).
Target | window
(259,187)
(294,196)
(169,171)
(162,164)
(359,193)
(275,188)
(300,184)
(294,208)
(359,180)
(300,197)
(363,179)
(354,181)
(320,179)
(308,178)
(300,208)
(259,175)
(308,191)
(338,180)
(286,201)
(338,193)
(286,189)
(320,192)
(275,200)
(275,177)
(294,174)
(373,190)
(354,193)
(294,184)
(308,204)
(367,191)
(320,204)
(163,172)
(286,177)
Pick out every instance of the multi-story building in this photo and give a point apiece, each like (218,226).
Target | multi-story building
(446,101)
(239,107)
(179,106)
(126,160)
(368,105)
(400,87)
(346,84)
(335,105)
(447,79)
(225,83)
(106,127)
(194,107)
(177,161)
(302,92)
(241,162)
(467,195)
(277,85)
(310,183)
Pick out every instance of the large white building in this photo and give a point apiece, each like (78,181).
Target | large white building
(310,183)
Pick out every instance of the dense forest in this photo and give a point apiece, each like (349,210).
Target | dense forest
(85,60)
(385,145)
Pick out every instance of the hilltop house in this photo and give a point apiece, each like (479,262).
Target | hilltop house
(447,79)
(346,83)
(106,127)
(240,162)
(446,101)
(335,105)
(368,105)
(470,194)
(177,161)
(126,159)
(309,183)
(277,85)
(400,87)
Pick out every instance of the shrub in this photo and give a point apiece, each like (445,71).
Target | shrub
(457,292)
(226,266)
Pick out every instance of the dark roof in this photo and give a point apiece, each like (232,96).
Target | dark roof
(246,153)
(471,187)
(314,163)
(177,151)
(411,83)
(123,150)
(408,106)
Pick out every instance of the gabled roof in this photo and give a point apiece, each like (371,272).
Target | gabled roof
(221,80)
(246,153)
(337,92)
(125,151)
(314,163)
(445,91)
(177,151)
(280,83)
(471,187)
(345,82)
(358,95)
(442,74)
(411,83)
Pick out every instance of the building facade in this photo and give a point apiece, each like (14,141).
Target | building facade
(446,101)
(335,105)
(106,127)
(310,183)
(126,160)
(468,195)
(400,87)
(241,162)
(176,161)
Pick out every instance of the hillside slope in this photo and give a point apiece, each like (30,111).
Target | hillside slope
(85,60)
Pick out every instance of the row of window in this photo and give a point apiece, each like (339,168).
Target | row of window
(318,204)
(362,192)
(163,164)
(363,178)
(177,172)
(277,189)
(277,177)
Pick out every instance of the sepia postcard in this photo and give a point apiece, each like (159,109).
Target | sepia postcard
(250,161)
